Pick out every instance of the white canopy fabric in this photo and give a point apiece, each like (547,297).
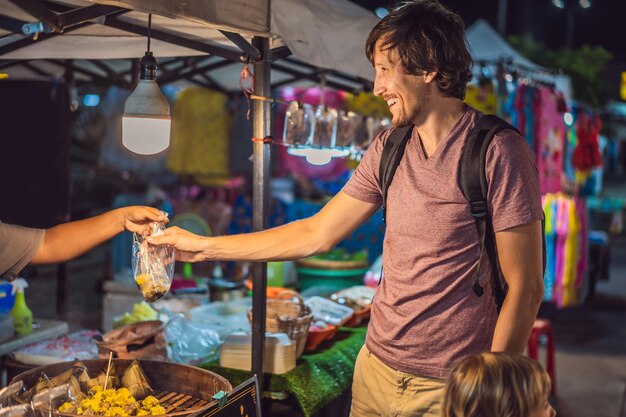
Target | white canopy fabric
(325,33)
(486,45)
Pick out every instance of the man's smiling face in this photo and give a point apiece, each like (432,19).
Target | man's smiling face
(405,94)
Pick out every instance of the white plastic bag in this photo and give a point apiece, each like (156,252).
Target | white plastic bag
(153,266)
(191,343)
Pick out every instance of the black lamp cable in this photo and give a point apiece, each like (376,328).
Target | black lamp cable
(149,29)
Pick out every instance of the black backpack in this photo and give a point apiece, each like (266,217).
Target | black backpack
(473,184)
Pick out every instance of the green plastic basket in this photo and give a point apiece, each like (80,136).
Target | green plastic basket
(336,279)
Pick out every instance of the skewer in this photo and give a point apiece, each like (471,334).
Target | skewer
(106,377)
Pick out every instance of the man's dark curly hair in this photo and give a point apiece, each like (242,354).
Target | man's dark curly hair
(428,38)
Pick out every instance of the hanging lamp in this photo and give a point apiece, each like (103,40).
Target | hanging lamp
(146,122)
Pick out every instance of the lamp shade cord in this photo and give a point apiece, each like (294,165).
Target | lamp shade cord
(149,29)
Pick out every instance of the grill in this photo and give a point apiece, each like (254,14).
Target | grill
(176,402)
(180,389)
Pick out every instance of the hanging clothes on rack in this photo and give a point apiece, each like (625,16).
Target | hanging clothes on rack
(550,209)
(566,248)
(482,97)
(200,134)
(549,138)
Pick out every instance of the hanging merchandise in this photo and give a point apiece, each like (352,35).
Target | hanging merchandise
(549,133)
(482,97)
(200,128)
(325,133)
(367,104)
(295,165)
(566,234)
(525,112)
(376,118)
(549,209)
(587,152)
(373,126)
(299,124)
(348,125)
(583,242)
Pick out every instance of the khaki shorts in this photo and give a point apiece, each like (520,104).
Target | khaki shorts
(378,390)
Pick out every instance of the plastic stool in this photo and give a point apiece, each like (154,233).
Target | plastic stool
(543,327)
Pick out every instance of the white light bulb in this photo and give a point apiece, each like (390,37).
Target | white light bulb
(146,122)
(146,135)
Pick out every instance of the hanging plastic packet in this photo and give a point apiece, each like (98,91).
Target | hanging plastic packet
(347,128)
(325,133)
(299,124)
(153,266)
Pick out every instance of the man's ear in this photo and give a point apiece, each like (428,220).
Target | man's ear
(429,77)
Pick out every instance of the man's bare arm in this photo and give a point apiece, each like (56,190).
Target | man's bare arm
(301,238)
(69,240)
(521,260)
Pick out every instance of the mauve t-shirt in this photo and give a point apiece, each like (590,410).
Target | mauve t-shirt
(425,314)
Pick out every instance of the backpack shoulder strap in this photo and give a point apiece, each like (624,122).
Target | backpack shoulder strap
(473,161)
(390,159)
(474,186)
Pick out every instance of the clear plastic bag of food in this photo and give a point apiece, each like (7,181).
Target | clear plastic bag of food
(153,266)
(348,124)
(325,132)
(299,124)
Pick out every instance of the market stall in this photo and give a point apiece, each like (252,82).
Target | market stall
(260,35)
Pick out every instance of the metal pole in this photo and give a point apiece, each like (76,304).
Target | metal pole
(502,12)
(260,199)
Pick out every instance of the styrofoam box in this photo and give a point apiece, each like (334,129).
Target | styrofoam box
(329,311)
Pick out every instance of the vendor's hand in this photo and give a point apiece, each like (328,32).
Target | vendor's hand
(189,246)
(137,218)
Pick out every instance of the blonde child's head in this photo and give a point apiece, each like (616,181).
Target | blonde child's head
(497,385)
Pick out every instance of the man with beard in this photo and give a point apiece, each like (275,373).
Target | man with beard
(425,314)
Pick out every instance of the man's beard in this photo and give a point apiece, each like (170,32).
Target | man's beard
(404,119)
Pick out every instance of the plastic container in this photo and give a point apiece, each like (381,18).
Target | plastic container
(7,297)
(316,337)
(225,317)
(6,327)
(329,311)
(22,316)
(335,279)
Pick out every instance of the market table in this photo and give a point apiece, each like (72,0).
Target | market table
(43,329)
(319,377)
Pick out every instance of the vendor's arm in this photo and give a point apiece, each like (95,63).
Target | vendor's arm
(301,238)
(521,261)
(69,240)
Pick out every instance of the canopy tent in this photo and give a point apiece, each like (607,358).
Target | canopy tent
(488,47)
(255,31)
(115,29)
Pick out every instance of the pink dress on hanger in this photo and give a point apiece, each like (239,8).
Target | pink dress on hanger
(549,139)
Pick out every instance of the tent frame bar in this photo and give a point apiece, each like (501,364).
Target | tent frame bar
(41,37)
(40,11)
(11,24)
(229,54)
(252,52)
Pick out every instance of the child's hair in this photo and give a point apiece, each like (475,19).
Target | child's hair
(495,385)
